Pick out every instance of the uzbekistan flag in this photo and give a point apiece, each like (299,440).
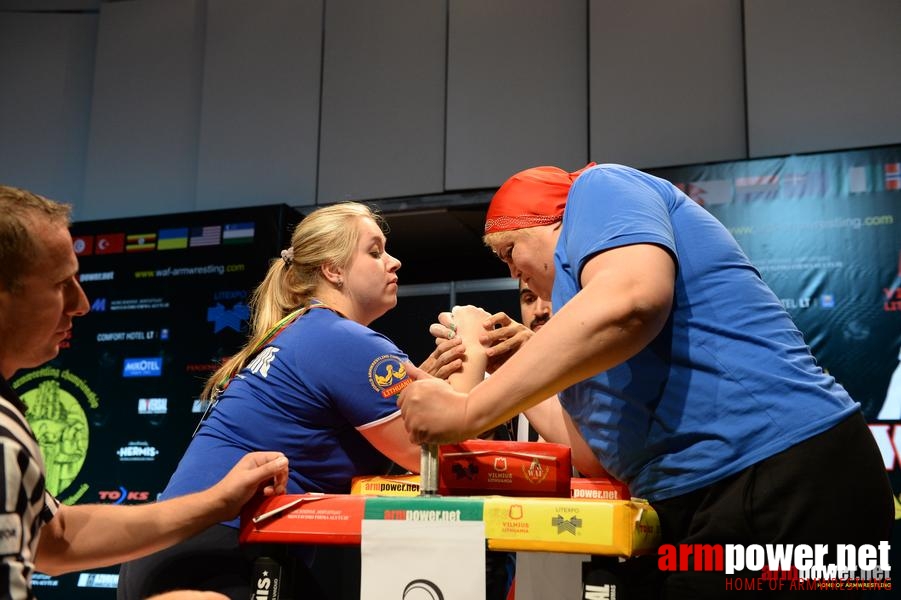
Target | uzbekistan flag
(238,233)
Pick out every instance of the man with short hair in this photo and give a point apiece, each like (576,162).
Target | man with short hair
(40,296)
(535,311)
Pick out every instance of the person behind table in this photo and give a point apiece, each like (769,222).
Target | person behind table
(40,296)
(534,313)
(683,371)
(314,381)
(500,336)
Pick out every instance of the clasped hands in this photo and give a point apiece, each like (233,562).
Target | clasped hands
(432,410)
(502,336)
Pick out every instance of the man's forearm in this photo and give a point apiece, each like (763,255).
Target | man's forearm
(95,535)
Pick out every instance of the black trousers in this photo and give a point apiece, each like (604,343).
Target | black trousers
(214,561)
(831,489)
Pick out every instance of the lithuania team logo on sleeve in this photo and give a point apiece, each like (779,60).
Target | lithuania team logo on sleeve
(388,376)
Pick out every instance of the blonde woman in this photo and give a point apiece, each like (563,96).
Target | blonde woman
(314,382)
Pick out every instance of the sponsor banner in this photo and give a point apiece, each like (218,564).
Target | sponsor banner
(142,367)
(98,580)
(139,304)
(61,405)
(303,518)
(139,335)
(153,406)
(42,580)
(122,495)
(137,452)
(508,468)
(101,276)
(228,318)
(191,271)
(611,527)
(598,488)
(377,485)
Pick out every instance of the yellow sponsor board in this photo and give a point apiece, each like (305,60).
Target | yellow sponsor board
(609,527)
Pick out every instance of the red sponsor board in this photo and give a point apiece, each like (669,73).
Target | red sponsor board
(304,519)
(492,467)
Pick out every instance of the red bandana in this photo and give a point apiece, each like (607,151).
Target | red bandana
(530,198)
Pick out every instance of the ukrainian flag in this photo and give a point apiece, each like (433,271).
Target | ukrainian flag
(172,239)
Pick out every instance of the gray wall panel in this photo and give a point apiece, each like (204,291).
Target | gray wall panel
(517,89)
(259,127)
(822,74)
(142,154)
(666,82)
(49,5)
(46,66)
(383,91)
(183,104)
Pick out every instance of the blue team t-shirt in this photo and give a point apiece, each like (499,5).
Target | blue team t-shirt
(727,383)
(308,393)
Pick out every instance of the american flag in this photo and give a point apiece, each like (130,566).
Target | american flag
(206,236)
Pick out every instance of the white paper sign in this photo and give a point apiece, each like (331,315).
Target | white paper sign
(422,560)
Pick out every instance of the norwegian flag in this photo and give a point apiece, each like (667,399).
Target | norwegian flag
(893,176)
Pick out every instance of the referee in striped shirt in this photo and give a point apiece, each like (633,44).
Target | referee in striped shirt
(39,297)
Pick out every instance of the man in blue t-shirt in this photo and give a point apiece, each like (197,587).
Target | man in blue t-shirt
(683,371)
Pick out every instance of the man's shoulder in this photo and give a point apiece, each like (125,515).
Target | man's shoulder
(15,432)
(9,396)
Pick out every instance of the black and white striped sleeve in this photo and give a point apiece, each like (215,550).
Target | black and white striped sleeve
(25,505)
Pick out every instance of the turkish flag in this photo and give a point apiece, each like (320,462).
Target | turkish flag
(110,243)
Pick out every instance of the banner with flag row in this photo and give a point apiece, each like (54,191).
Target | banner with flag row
(174,238)
(852,179)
